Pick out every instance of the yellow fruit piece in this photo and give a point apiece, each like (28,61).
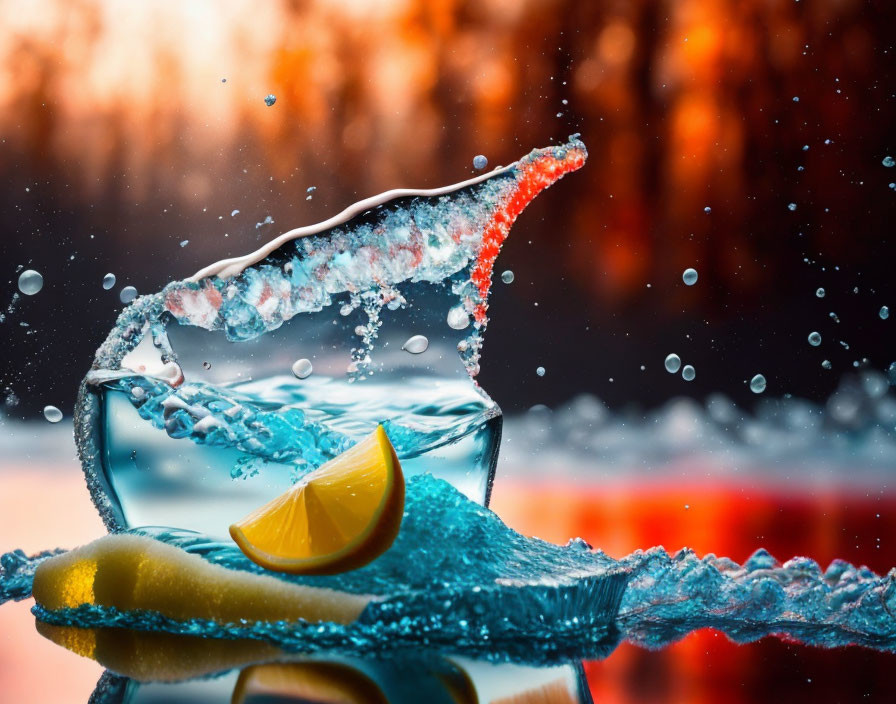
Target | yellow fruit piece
(338,518)
(308,682)
(135,572)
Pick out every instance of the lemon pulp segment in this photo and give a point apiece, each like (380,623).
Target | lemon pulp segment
(339,517)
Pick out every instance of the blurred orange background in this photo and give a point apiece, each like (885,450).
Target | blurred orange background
(128,127)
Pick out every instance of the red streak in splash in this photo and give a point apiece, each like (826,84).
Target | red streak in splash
(534,176)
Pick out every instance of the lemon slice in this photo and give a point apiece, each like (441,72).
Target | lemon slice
(308,682)
(338,518)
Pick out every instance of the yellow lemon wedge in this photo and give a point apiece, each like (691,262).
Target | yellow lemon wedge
(338,518)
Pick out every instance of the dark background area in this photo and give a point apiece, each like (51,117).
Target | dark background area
(683,106)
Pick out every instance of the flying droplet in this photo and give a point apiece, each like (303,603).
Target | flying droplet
(480,162)
(184,243)
(707,210)
(206,365)
(820,292)
(30,282)
(52,414)
(458,318)
(688,373)
(234,213)
(270,99)
(814,339)
(791,207)
(416,344)
(891,373)
(507,277)
(128,294)
(884,312)
(540,371)
(826,364)
(889,162)
(757,384)
(673,363)
(108,281)
(689,277)
(302,368)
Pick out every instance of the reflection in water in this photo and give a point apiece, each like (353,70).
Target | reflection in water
(152,667)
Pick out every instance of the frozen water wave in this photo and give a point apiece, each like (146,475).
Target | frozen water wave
(458,579)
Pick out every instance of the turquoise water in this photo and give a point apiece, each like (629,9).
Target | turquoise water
(190,457)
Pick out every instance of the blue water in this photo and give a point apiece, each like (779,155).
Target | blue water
(458,580)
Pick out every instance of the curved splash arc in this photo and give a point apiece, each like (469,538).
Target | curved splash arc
(400,236)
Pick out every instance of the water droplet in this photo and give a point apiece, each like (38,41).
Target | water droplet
(814,339)
(805,147)
(416,344)
(884,312)
(480,162)
(689,277)
(302,368)
(891,373)
(673,363)
(791,207)
(270,99)
(889,162)
(507,277)
(834,317)
(820,292)
(707,210)
(826,364)
(796,98)
(30,282)
(757,384)
(458,318)
(52,414)
(688,373)
(108,281)
(184,243)
(128,294)
(234,213)
(206,365)
(540,371)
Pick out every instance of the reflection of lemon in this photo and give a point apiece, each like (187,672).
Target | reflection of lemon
(146,656)
(338,518)
(308,682)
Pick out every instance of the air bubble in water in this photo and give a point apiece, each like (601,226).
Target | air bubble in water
(889,162)
(52,414)
(128,294)
(302,368)
(540,371)
(884,312)
(819,292)
(791,207)
(689,277)
(416,344)
(707,210)
(458,319)
(270,99)
(757,384)
(814,339)
(688,373)
(891,373)
(826,364)
(184,243)
(834,317)
(30,282)
(673,363)
(507,277)
(480,162)
(108,281)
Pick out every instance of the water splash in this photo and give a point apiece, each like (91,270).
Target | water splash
(457,579)
(373,257)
